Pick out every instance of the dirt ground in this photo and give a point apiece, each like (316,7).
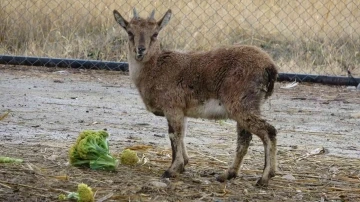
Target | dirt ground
(318,142)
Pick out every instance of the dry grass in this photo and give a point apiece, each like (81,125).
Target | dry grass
(307,37)
(44,175)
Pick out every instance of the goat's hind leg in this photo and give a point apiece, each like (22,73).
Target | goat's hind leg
(176,125)
(267,134)
(243,142)
(184,151)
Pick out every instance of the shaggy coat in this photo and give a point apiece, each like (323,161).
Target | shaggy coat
(225,83)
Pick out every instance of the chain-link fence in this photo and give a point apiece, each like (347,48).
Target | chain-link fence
(309,36)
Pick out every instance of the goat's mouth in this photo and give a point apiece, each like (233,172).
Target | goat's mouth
(139,57)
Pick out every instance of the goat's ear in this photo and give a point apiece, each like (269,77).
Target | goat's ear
(119,19)
(165,20)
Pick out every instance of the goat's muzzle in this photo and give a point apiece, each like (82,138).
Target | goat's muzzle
(140,53)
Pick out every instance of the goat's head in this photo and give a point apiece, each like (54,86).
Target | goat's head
(142,33)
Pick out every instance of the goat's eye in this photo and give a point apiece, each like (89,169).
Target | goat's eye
(154,35)
(131,35)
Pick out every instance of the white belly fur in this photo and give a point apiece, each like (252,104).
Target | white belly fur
(211,109)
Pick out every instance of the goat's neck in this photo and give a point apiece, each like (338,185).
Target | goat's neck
(137,69)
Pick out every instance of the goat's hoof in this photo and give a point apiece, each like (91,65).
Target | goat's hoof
(186,161)
(168,174)
(262,183)
(272,174)
(173,171)
(226,176)
(181,169)
(221,178)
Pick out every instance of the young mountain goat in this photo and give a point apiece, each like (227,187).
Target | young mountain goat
(230,82)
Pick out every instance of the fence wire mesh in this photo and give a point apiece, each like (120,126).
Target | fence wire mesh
(309,37)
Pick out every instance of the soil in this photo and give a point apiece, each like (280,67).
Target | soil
(318,142)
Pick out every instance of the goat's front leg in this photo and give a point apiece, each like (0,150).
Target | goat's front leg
(176,122)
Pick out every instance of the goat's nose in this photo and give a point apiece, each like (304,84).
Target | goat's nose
(141,49)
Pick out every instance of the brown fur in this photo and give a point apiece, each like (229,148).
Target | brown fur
(228,82)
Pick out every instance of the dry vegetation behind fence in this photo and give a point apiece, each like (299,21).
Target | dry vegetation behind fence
(310,36)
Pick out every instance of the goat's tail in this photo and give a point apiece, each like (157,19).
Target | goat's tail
(271,74)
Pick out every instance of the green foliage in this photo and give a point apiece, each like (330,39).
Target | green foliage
(83,194)
(92,150)
(129,157)
(4,159)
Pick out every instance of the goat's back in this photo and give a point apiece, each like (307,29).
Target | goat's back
(208,70)
(190,79)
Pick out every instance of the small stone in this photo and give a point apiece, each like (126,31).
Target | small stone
(351,87)
(161,135)
(197,181)
(288,177)
(334,169)
(206,182)
(58,81)
(157,184)
(53,157)
(62,72)
(142,124)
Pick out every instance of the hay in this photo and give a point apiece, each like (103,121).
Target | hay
(306,177)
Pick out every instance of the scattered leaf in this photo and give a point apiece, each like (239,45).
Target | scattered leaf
(355,115)
(158,184)
(61,177)
(140,147)
(290,85)
(3,116)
